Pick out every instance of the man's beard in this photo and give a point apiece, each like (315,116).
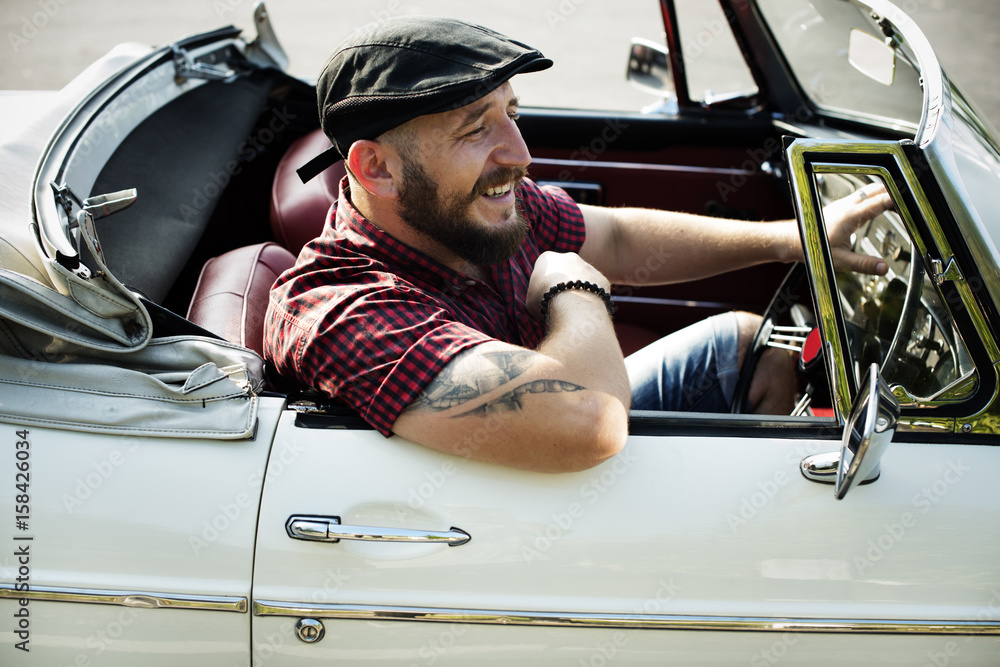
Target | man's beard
(447,220)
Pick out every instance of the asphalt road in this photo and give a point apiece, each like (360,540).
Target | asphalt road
(47,42)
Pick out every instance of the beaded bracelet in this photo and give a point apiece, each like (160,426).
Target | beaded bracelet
(576,284)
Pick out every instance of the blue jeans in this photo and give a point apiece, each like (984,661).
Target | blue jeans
(691,370)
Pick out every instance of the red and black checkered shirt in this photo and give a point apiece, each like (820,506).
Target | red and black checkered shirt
(371,321)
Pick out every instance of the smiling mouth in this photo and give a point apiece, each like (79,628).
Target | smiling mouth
(498,191)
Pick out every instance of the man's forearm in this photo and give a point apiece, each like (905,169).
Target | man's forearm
(641,246)
(582,338)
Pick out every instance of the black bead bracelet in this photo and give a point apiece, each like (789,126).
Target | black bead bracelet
(576,284)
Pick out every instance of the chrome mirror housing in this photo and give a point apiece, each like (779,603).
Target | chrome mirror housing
(649,71)
(867,434)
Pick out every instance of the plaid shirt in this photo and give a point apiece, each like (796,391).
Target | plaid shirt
(371,321)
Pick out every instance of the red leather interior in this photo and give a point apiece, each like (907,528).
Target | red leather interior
(632,338)
(298,210)
(231,296)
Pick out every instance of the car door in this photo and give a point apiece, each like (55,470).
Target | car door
(702,541)
(708,546)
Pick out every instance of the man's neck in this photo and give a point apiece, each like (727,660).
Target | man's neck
(383,215)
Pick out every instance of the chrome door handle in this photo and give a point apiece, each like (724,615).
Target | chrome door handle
(329,529)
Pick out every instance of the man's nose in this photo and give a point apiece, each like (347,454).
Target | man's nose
(511,151)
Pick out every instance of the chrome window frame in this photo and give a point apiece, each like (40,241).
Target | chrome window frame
(807,157)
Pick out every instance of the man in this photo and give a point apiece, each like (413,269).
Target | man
(457,304)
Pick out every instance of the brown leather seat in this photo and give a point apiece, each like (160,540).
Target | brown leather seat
(231,296)
(298,210)
(232,292)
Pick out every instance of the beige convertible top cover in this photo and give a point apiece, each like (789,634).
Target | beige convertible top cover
(76,347)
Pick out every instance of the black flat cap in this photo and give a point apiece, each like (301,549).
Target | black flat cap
(389,72)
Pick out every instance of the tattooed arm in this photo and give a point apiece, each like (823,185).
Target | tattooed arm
(561,407)
(476,373)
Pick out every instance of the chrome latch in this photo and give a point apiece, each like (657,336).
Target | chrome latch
(309,630)
(95,208)
(239,375)
(266,49)
(187,68)
(101,206)
(329,529)
(65,198)
(942,273)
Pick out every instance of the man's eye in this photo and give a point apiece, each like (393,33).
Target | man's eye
(514,116)
(476,132)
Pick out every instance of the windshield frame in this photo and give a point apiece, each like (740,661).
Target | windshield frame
(881,20)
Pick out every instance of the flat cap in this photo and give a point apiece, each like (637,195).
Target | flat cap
(392,71)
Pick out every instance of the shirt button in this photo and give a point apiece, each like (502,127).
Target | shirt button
(470,282)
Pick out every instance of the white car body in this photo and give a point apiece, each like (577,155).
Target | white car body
(194,533)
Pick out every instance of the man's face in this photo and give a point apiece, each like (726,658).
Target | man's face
(459,179)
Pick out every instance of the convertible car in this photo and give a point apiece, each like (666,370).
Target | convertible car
(167,500)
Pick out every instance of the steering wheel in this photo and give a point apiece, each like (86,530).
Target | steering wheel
(898,298)
(783,301)
(907,317)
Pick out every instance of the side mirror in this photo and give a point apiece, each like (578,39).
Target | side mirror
(649,71)
(867,434)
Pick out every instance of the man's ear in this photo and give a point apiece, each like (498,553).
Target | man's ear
(372,164)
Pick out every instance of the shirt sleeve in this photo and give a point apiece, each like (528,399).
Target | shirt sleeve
(378,350)
(556,219)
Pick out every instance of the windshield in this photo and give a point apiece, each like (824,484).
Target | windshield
(814,35)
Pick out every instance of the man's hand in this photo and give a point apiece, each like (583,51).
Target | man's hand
(844,216)
(552,268)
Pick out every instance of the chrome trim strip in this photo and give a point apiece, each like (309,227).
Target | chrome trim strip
(820,268)
(928,65)
(624,621)
(925,424)
(135,599)
(657,301)
(644,166)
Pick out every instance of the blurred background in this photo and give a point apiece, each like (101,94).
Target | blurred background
(47,42)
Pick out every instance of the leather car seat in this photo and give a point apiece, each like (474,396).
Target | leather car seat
(230,299)
(298,210)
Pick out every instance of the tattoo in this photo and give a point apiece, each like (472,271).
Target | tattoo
(512,399)
(470,375)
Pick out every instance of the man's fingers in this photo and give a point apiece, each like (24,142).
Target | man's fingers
(877,204)
(847,215)
(852,261)
(868,207)
(872,189)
